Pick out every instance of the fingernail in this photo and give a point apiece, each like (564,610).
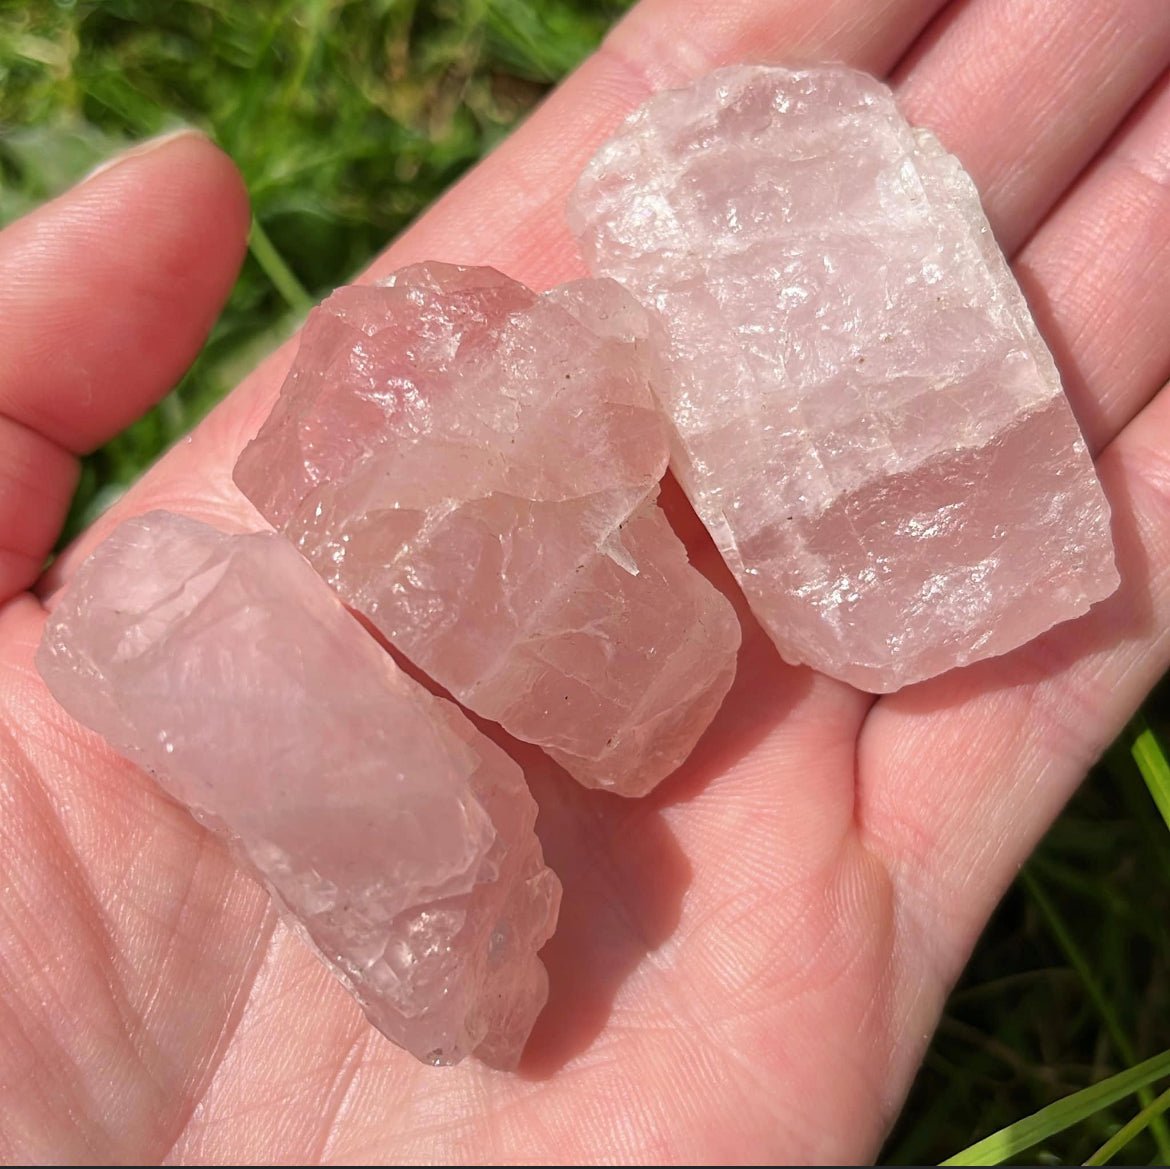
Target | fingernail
(147,147)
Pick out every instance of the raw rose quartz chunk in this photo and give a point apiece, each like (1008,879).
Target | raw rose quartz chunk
(474,467)
(395,836)
(863,412)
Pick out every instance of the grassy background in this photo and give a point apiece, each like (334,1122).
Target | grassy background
(347,119)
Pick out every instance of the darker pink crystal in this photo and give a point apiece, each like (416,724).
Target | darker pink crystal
(474,467)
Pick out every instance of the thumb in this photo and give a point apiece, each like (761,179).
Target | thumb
(106,295)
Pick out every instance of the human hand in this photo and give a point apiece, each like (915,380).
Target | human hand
(750,962)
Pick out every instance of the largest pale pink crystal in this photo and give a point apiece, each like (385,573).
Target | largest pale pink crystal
(864,414)
(474,467)
(397,837)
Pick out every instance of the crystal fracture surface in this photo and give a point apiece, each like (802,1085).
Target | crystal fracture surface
(474,467)
(397,838)
(864,413)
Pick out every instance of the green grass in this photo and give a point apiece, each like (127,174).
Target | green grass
(1062,1114)
(347,119)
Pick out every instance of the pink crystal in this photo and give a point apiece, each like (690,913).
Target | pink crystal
(474,467)
(396,837)
(864,414)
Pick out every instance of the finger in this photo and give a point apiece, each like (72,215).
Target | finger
(1027,91)
(1097,276)
(106,295)
(37,478)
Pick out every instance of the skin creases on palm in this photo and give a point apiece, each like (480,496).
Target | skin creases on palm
(749,963)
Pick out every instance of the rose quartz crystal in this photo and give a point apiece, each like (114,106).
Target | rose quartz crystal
(474,468)
(863,412)
(395,836)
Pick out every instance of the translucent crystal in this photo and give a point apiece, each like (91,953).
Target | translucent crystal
(474,467)
(394,835)
(863,412)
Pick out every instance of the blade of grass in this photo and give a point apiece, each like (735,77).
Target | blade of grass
(1097,995)
(1153,839)
(277,271)
(1155,769)
(1023,1134)
(1127,1132)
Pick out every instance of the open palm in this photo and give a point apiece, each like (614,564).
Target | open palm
(750,963)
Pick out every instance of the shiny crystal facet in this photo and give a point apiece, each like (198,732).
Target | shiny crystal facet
(394,835)
(474,467)
(863,412)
